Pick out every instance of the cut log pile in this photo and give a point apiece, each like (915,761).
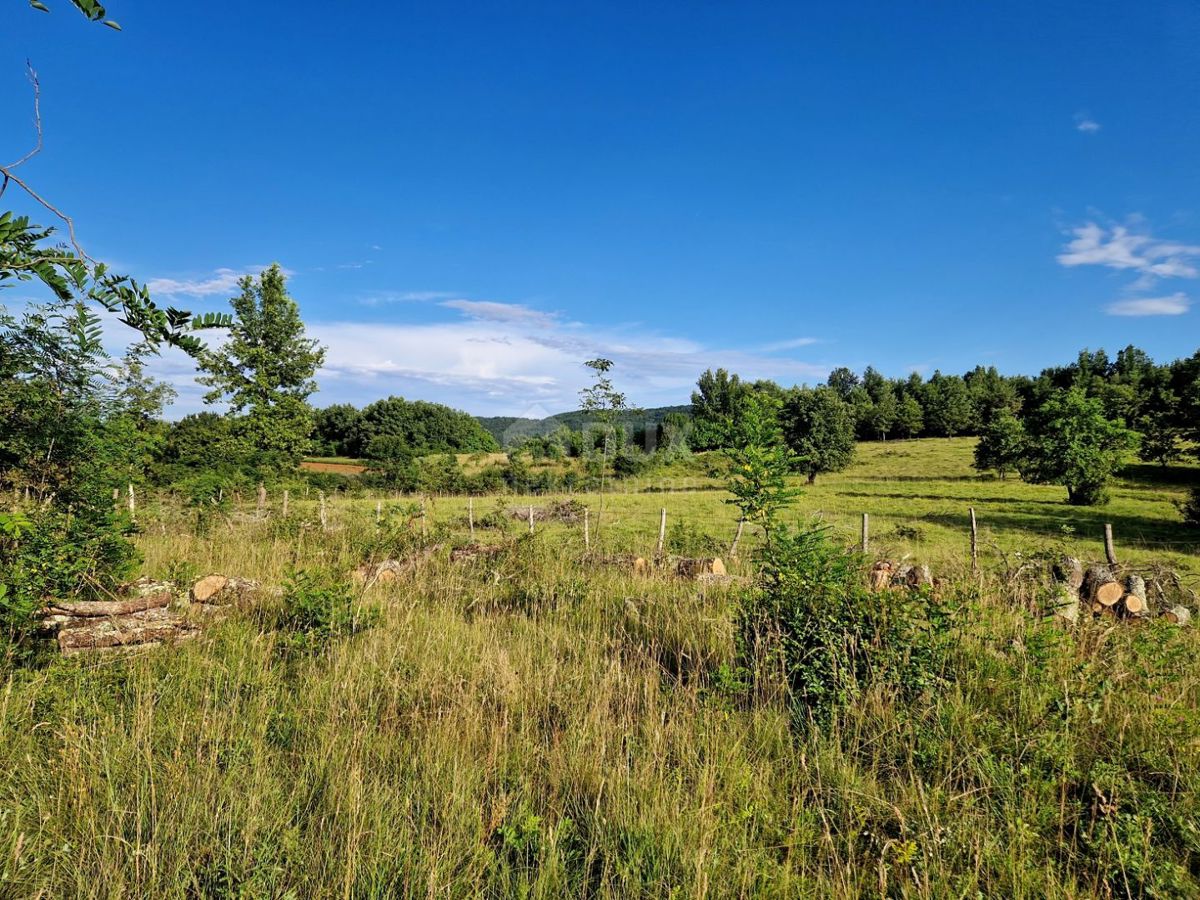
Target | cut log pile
(143,613)
(885,574)
(1104,590)
(699,568)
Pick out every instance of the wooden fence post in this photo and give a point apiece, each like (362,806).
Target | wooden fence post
(285,503)
(378,511)
(531,518)
(132,503)
(974,543)
(737,537)
(324,516)
(587,534)
(262,500)
(471,516)
(866,533)
(1110,552)
(424,520)
(662,533)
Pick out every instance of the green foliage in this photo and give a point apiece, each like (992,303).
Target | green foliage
(317,610)
(818,427)
(759,464)
(1001,445)
(813,622)
(947,406)
(26,254)
(63,448)
(419,426)
(336,430)
(265,371)
(910,419)
(1070,442)
(716,408)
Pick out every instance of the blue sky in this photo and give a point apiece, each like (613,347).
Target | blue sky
(472,199)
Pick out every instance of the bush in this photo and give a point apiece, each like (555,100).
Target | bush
(813,623)
(317,610)
(685,540)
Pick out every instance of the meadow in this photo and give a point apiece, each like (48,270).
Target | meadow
(542,726)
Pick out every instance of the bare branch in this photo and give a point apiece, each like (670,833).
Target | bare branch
(37,120)
(7,171)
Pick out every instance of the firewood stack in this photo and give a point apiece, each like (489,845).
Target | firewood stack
(885,574)
(142,613)
(1105,590)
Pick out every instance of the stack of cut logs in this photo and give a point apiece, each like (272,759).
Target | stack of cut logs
(886,574)
(1102,591)
(142,613)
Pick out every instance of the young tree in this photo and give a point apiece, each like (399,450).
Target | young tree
(818,427)
(1001,444)
(759,464)
(265,372)
(603,403)
(1072,443)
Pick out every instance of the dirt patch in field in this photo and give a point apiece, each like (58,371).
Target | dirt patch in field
(336,468)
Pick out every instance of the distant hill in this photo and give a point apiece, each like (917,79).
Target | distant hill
(508,430)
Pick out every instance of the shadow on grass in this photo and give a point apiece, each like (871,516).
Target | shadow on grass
(1086,522)
(944,498)
(1173,476)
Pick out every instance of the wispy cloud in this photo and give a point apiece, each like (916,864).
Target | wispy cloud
(1119,247)
(793,344)
(382,298)
(1085,123)
(1173,305)
(221,281)
(491,311)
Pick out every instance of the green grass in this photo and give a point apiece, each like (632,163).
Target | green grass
(917,494)
(545,728)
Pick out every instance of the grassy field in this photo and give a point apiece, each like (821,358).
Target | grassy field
(542,727)
(917,494)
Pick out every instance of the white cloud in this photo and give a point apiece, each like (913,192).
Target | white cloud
(1173,305)
(491,311)
(508,359)
(222,281)
(380,298)
(1085,123)
(1120,248)
(793,344)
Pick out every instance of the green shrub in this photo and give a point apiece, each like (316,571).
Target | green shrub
(317,610)
(813,623)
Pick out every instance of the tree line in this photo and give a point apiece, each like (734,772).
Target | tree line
(1073,425)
